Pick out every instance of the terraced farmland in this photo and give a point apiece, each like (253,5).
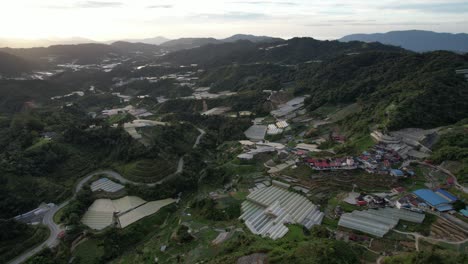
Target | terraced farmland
(325,183)
(446,230)
(147,170)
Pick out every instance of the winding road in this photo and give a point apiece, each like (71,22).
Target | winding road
(418,237)
(55,229)
(456,183)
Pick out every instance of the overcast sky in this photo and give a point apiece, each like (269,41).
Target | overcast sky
(114,19)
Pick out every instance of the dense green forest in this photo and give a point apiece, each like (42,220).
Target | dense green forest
(248,77)
(14,94)
(31,162)
(453,146)
(291,51)
(396,90)
(11,65)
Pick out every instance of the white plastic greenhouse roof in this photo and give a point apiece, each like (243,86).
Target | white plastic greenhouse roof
(378,222)
(267,210)
(106,185)
(143,211)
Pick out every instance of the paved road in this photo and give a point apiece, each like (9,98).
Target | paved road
(55,229)
(457,185)
(202,133)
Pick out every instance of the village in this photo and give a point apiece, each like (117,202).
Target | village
(378,197)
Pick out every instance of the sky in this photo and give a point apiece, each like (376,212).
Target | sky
(113,19)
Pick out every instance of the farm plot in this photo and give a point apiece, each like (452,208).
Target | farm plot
(324,184)
(444,230)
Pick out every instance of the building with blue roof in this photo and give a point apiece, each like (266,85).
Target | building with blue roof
(434,200)
(448,196)
(464,212)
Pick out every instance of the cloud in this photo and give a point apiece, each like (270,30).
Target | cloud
(97,4)
(284,3)
(160,6)
(436,7)
(230,16)
(85,4)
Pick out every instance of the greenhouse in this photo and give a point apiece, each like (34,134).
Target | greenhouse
(267,210)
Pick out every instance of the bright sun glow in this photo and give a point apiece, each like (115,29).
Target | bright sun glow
(113,19)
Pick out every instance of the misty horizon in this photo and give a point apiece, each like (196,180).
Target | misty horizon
(113,20)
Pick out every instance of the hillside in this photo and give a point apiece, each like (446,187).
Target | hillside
(397,90)
(248,77)
(416,40)
(14,95)
(81,53)
(154,41)
(296,50)
(11,65)
(188,43)
(138,47)
(251,38)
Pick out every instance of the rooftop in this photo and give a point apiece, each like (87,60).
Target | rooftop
(267,210)
(106,185)
(430,197)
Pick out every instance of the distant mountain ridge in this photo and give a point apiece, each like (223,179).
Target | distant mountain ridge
(173,44)
(416,40)
(190,43)
(292,51)
(251,38)
(153,41)
(31,43)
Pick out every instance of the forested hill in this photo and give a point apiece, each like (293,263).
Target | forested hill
(296,50)
(90,53)
(416,40)
(83,53)
(11,65)
(395,89)
(14,94)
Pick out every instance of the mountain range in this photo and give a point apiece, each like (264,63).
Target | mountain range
(181,43)
(190,43)
(30,43)
(292,51)
(416,40)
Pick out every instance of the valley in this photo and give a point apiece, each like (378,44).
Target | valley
(233,151)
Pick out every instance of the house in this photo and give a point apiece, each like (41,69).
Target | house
(397,173)
(245,156)
(464,212)
(399,189)
(450,180)
(446,195)
(307,147)
(362,203)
